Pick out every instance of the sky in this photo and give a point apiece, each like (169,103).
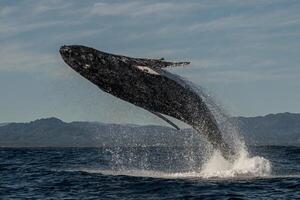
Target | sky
(244,53)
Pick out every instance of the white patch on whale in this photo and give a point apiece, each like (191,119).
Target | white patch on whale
(86,66)
(147,70)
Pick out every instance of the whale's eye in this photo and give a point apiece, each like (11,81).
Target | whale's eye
(147,70)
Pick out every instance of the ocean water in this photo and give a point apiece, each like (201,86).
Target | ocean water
(148,173)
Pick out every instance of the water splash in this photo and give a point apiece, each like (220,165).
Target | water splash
(242,166)
(195,159)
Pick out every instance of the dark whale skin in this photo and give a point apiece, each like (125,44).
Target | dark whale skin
(144,83)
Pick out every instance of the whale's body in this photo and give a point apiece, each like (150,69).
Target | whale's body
(144,83)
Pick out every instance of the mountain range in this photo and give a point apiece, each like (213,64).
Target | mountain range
(272,129)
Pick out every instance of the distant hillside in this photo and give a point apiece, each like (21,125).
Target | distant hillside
(53,132)
(273,129)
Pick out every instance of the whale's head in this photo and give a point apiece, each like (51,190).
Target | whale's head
(101,68)
(116,73)
(84,60)
(90,62)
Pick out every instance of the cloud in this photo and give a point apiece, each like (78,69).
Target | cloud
(241,75)
(242,43)
(6,10)
(19,57)
(26,17)
(141,30)
(251,20)
(43,6)
(10,29)
(141,8)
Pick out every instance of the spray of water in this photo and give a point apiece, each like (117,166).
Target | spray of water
(194,159)
(243,164)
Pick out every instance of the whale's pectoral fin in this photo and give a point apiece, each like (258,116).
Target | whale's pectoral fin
(165,119)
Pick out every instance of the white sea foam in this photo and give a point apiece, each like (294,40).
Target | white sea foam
(143,173)
(216,166)
(219,169)
(242,166)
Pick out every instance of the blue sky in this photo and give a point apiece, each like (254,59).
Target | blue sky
(245,53)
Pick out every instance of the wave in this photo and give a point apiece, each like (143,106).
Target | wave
(216,167)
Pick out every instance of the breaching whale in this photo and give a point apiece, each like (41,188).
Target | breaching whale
(145,83)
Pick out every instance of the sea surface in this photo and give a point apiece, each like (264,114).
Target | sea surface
(147,173)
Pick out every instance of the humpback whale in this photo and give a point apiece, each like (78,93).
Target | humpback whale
(146,84)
